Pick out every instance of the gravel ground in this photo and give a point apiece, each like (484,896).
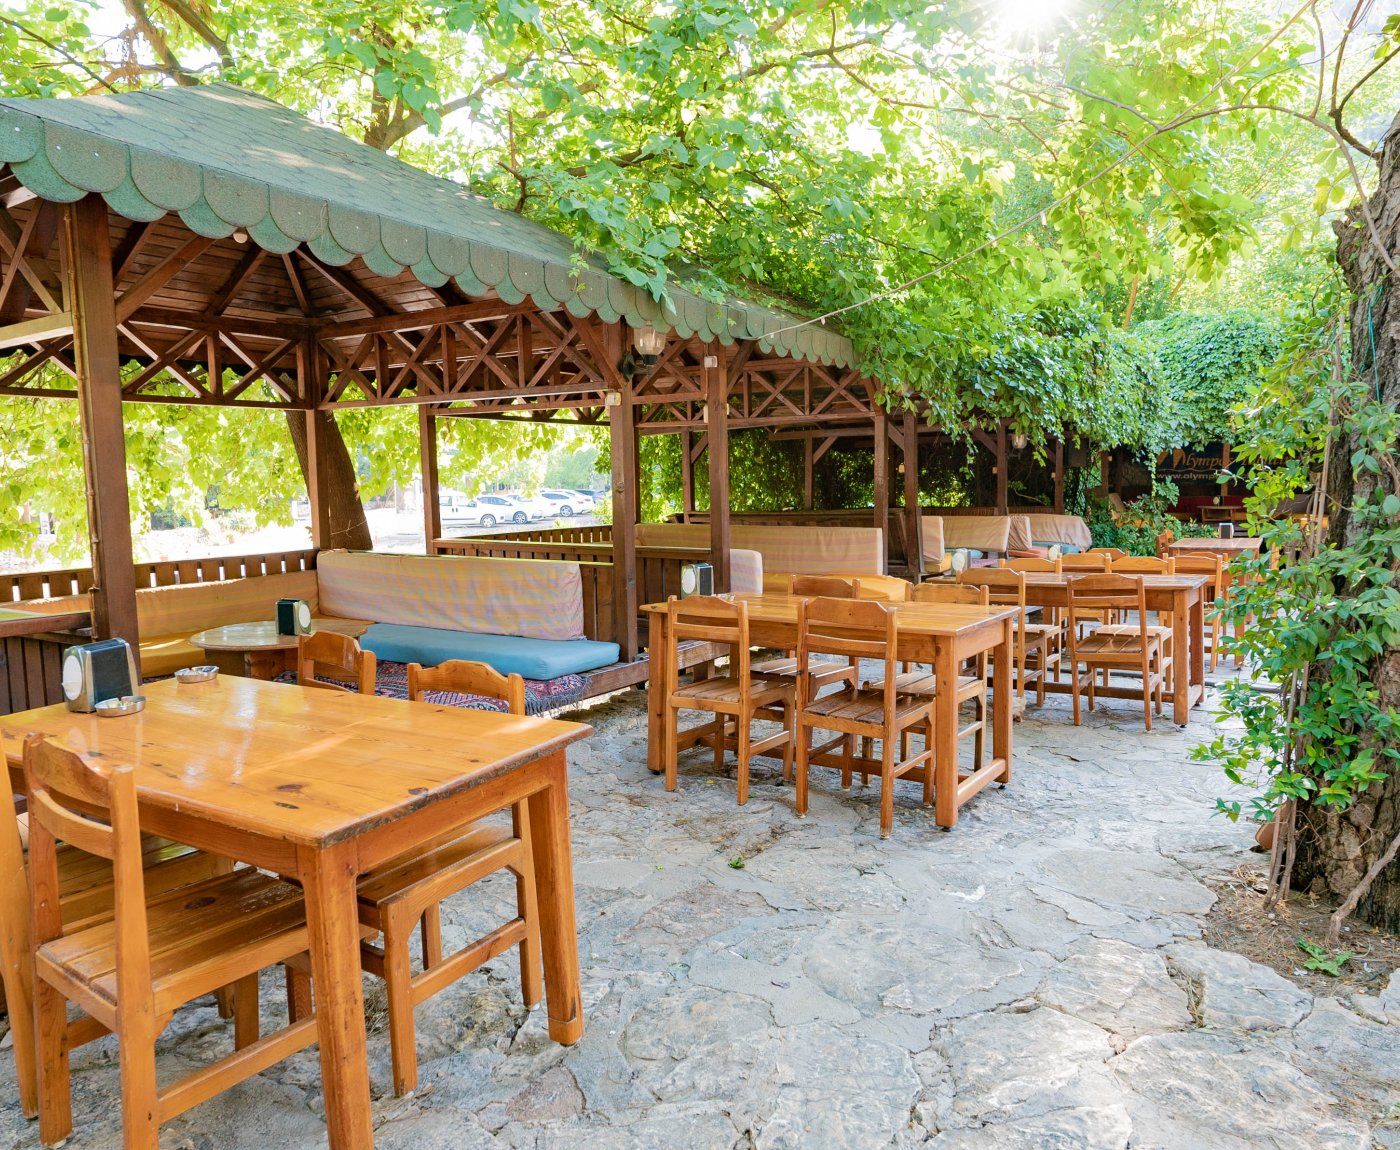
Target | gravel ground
(1036,978)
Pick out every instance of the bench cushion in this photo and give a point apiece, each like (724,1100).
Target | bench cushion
(1047,527)
(508,654)
(191,607)
(793,549)
(533,598)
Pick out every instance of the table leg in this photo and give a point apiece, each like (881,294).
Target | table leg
(1181,659)
(267,665)
(554,881)
(1198,647)
(1001,699)
(328,878)
(656,689)
(945,735)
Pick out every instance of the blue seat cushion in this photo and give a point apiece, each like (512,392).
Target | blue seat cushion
(508,654)
(1065,548)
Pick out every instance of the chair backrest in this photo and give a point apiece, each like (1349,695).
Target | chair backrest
(67,797)
(853,629)
(1090,597)
(1198,563)
(1004,586)
(1028,563)
(328,655)
(949,593)
(1085,561)
(826,586)
(1116,552)
(464,677)
(711,619)
(1141,565)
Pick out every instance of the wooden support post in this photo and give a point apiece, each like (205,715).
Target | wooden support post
(622,438)
(809,466)
(1057,461)
(92,301)
(687,475)
(1103,473)
(913,530)
(882,475)
(316,479)
(428,455)
(715,374)
(1002,469)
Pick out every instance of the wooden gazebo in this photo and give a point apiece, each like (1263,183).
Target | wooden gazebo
(206,245)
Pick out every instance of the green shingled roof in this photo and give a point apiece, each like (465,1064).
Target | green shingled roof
(224,158)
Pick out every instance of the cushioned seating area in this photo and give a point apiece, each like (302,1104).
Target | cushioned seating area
(508,654)
(796,549)
(535,598)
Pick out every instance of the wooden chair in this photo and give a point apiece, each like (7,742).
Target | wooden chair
(950,593)
(1139,565)
(972,681)
(1031,564)
(335,662)
(1140,648)
(1085,561)
(407,892)
(1111,552)
(85,897)
(825,672)
(855,630)
(1213,566)
(734,699)
(1039,646)
(130,974)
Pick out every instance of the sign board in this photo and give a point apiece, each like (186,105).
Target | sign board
(1193,465)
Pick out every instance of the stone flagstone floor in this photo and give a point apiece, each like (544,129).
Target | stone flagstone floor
(1036,979)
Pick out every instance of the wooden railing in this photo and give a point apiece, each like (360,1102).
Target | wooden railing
(592,533)
(16,587)
(31,656)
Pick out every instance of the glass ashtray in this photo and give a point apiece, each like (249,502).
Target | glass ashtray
(125,705)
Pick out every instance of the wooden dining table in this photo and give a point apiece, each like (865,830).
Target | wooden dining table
(323,787)
(1229,550)
(940,634)
(1182,595)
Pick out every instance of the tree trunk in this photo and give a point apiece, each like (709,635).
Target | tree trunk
(340,489)
(1336,849)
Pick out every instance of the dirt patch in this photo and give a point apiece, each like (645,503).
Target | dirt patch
(1239,922)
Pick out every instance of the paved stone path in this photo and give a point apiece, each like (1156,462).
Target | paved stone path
(1036,978)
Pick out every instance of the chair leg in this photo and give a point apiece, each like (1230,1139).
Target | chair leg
(245,1011)
(398,983)
(721,732)
(430,931)
(224,998)
(886,785)
(51,1045)
(299,999)
(979,736)
(527,907)
(741,755)
(804,748)
(136,1051)
(931,748)
(790,746)
(1074,691)
(668,744)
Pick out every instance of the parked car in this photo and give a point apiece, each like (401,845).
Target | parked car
(568,503)
(457,510)
(532,506)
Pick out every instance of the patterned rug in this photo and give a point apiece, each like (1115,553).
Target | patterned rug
(541,695)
